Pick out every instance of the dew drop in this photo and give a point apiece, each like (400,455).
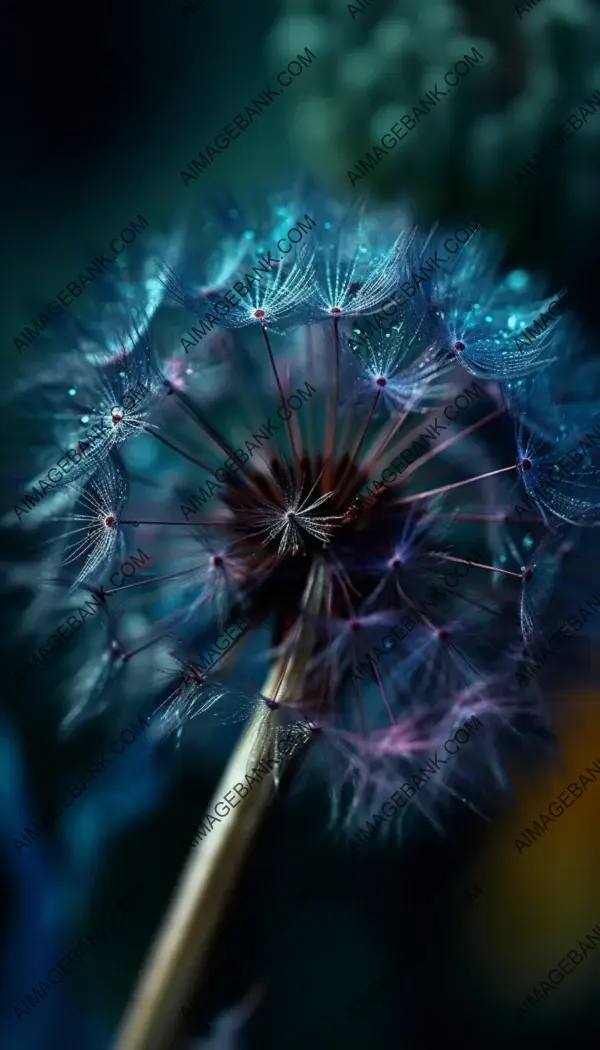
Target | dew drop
(517,280)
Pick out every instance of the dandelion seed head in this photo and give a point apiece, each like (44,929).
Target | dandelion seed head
(362,532)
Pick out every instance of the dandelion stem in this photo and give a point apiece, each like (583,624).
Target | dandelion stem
(191,921)
(182,946)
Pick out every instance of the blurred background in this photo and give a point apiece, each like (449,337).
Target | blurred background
(103,107)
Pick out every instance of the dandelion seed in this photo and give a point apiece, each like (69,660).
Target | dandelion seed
(96,537)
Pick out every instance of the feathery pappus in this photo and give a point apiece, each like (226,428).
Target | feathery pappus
(353,456)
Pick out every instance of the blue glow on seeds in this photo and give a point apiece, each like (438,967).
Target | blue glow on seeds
(72,392)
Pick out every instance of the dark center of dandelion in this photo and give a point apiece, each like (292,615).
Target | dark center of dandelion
(285,520)
(283,502)
(380,381)
(259,313)
(305,530)
(110,521)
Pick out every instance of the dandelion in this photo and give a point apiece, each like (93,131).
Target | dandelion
(357,510)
